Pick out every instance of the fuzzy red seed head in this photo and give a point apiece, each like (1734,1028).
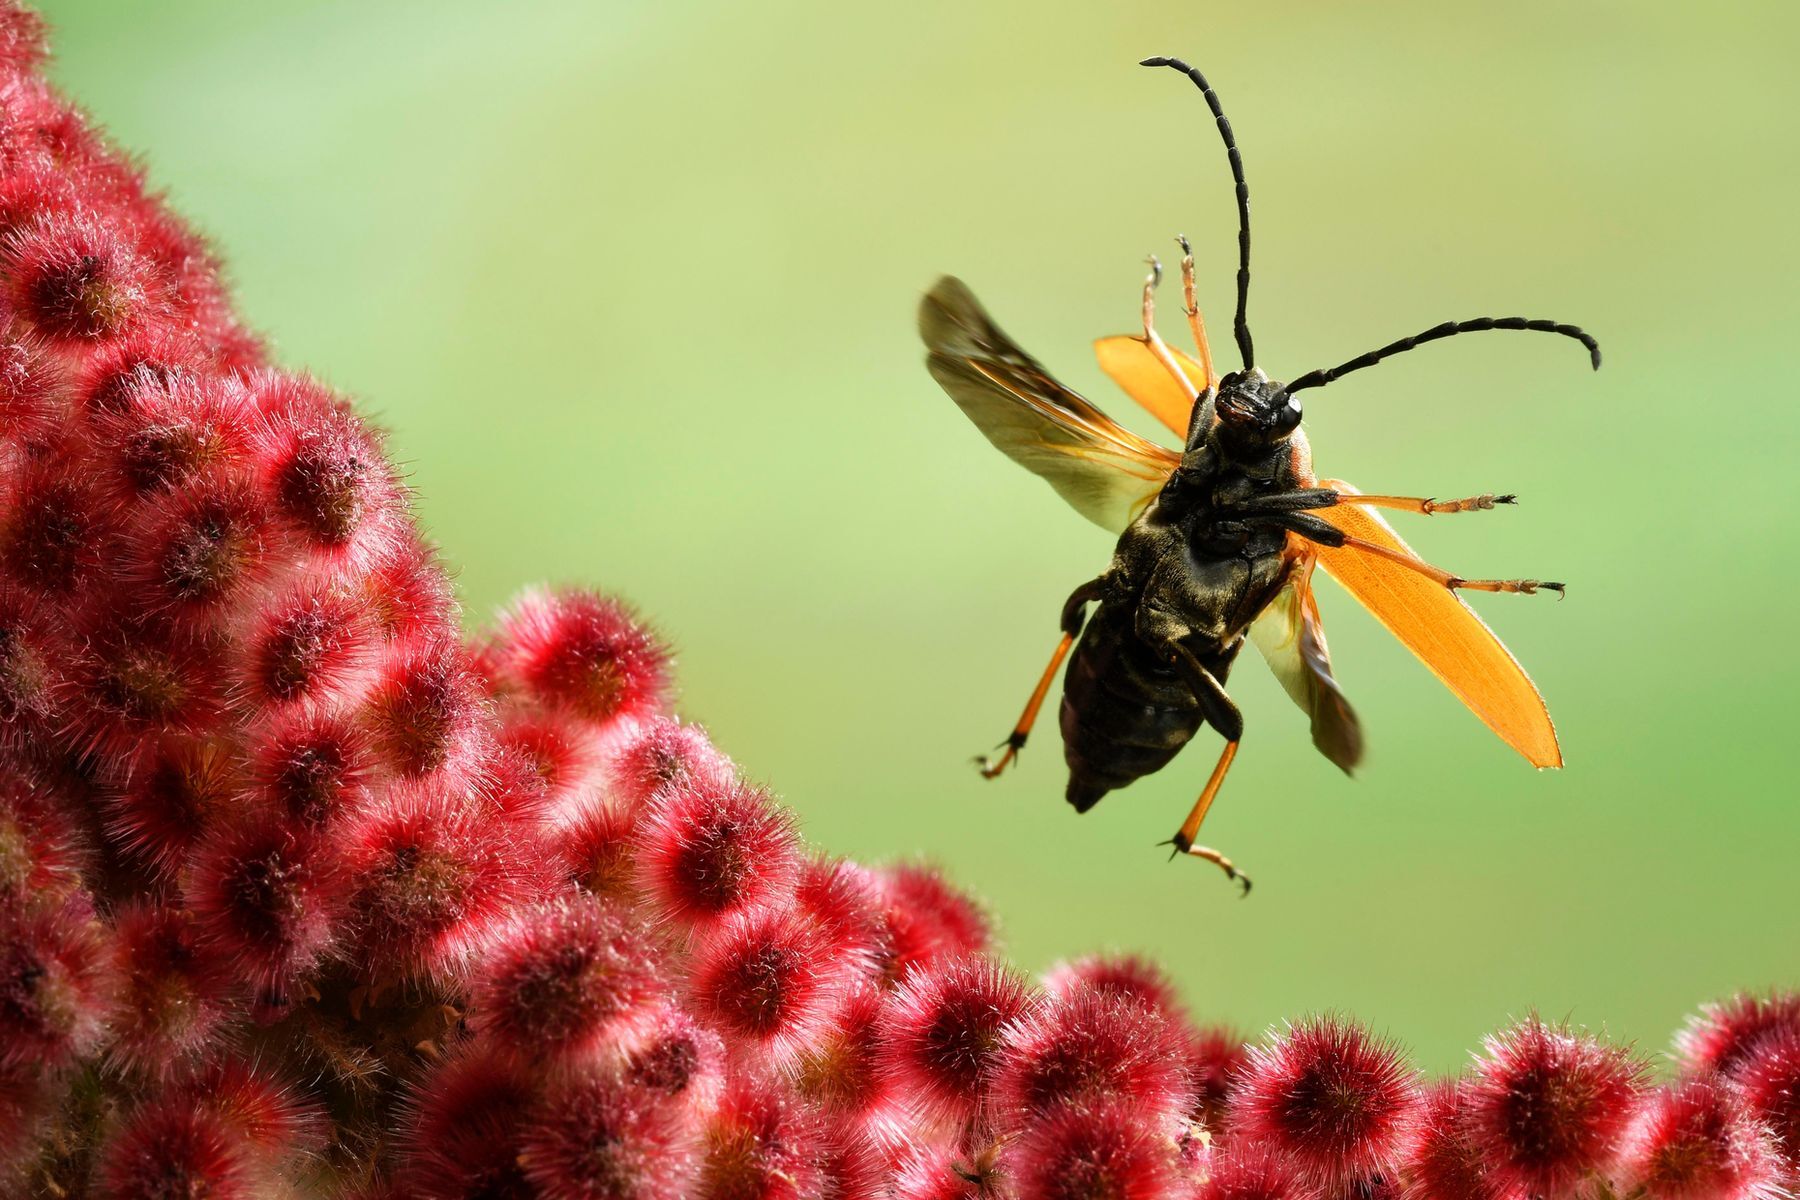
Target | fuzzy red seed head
(31,387)
(1724,1034)
(1769,1078)
(35,654)
(27,1101)
(137,679)
(1248,1171)
(841,1071)
(1127,975)
(560,752)
(54,534)
(658,752)
(1337,1100)
(228,343)
(43,133)
(852,1166)
(1447,1161)
(679,1058)
(144,369)
(595,848)
(199,305)
(175,798)
(461,1134)
(586,653)
(41,853)
(1698,1140)
(58,983)
(267,896)
(407,590)
(310,644)
(927,919)
(761,1144)
(707,849)
(844,900)
(174,995)
(270,1115)
(763,979)
(565,978)
(310,766)
(598,1136)
(76,280)
(1216,1058)
(21,39)
(32,190)
(938,1172)
(62,137)
(1548,1107)
(425,708)
(159,431)
(1106,1152)
(513,789)
(196,551)
(942,1034)
(170,1148)
(1088,1047)
(325,468)
(434,882)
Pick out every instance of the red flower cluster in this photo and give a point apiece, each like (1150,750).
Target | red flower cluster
(301,895)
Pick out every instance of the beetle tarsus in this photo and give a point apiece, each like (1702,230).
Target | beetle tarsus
(1179,845)
(992,767)
(1520,587)
(1482,503)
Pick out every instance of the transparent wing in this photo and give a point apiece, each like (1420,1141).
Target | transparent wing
(1292,639)
(1445,634)
(1105,471)
(1130,363)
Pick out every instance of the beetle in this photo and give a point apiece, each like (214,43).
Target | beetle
(1218,541)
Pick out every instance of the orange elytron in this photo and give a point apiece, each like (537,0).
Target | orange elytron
(1218,541)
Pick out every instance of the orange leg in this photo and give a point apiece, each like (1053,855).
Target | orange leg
(1015,741)
(1183,841)
(1157,346)
(1481,503)
(1195,322)
(1454,582)
(1074,615)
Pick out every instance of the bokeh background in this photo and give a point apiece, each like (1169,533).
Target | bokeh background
(633,283)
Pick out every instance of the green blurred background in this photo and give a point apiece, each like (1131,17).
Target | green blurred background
(633,286)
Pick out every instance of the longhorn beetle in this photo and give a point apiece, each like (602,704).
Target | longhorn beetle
(1218,541)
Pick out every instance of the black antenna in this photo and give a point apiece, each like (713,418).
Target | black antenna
(1241,326)
(1313,379)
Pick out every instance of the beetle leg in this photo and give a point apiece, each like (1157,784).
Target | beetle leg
(1183,841)
(1314,529)
(1154,340)
(1074,614)
(1305,499)
(1015,741)
(1299,500)
(1430,507)
(1223,715)
(1195,323)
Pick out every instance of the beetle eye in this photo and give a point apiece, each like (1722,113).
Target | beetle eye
(1287,417)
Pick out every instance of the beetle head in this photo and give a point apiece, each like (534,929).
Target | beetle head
(1253,412)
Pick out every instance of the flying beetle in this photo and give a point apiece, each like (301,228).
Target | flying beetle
(1218,541)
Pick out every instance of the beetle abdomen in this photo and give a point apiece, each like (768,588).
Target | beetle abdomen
(1125,713)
